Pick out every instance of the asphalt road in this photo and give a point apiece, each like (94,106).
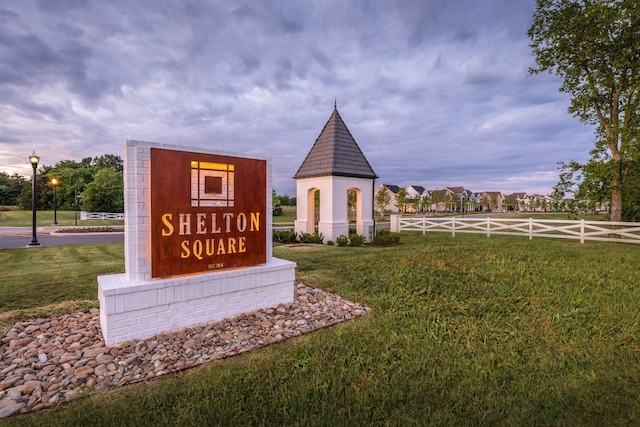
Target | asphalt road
(20,237)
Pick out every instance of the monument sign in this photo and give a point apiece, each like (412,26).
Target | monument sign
(197,242)
(206,212)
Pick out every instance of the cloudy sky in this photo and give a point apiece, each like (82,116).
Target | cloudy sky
(435,92)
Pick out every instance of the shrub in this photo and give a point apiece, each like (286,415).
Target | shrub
(356,240)
(342,241)
(284,236)
(385,237)
(352,240)
(311,238)
(330,243)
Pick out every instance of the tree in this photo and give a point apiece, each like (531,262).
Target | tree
(10,188)
(105,193)
(631,203)
(590,184)
(435,198)
(486,202)
(44,192)
(73,178)
(594,46)
(427,201)
(451,201)
(108,161)
(416,203)
(285,200)
(494,203)
(382,199)
(402,197)
(276,208)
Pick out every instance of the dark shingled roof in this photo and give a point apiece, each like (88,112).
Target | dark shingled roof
(335,152)
(393,188)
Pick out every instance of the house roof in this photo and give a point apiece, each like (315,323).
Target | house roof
(442,194)
(516,196)
(418,188)
(393,188)
(335,152)
(521,195)
(455,190)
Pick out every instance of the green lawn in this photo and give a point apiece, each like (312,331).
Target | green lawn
(465,331)
(287,217)
(17,218)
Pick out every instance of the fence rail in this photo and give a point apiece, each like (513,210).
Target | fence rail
(101,215)
(606,231)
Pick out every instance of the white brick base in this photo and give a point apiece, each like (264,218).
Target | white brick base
(131,310)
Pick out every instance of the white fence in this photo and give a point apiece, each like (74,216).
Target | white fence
(582,230)
(101,215)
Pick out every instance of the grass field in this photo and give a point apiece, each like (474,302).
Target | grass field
(287,217)
(17,218)
(465,331)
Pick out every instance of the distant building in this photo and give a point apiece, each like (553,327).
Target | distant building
(460,199)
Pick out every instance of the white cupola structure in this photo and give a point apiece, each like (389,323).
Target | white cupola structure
(335,185)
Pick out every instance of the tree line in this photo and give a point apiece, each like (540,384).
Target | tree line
(95,184)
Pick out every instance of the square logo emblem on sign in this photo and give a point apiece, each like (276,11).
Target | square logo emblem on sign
(212,184)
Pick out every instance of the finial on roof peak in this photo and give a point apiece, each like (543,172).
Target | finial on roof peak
(335,102)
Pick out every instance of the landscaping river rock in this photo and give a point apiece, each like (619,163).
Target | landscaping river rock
(46,362)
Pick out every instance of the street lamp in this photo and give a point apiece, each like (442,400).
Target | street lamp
(55,183)
(33,159)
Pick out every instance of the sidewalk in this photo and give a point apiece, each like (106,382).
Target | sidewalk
(24,231)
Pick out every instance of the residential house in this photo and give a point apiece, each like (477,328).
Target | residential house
(517,202)
(415,192)
(460,199)
(445,199)
(453,199)
(544,203)
(492,201)
(393,192)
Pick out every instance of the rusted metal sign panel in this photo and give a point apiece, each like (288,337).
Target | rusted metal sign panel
(208,212)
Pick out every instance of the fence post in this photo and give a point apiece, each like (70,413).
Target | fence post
(530,228)
(453,226)
(488,226)
(582,231)
(424,225)
(394,223)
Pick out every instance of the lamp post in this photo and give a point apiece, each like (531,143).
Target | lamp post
(55,183)
(33,159)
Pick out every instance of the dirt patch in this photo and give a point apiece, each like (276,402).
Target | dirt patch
(303,247)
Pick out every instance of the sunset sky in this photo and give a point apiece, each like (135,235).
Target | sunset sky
(435,92)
